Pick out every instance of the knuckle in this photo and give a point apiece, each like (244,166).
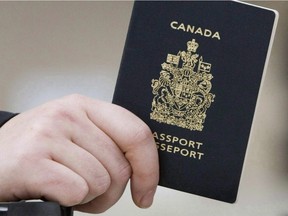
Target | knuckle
(69,193)
(101,185)
(80,193)
(38,132)
(143,134)
(76,98)
(60,112)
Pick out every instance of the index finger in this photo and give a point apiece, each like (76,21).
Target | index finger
(136,141)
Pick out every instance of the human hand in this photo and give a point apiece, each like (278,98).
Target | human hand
(79,152)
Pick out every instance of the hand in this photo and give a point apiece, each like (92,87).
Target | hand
(79,152)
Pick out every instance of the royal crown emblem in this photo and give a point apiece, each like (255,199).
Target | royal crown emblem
(182,92)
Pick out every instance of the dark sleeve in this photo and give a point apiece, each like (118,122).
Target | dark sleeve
(5,116)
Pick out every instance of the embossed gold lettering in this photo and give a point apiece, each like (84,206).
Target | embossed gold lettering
(174,139)
(174,24)
(199,31)
(190,28)
(216,35)
(182,27)
(207,33)
(176,145)
(180,151)
(195,30)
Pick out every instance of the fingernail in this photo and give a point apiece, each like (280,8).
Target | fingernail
(147,199)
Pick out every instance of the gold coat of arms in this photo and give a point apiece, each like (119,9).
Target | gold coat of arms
(182,92)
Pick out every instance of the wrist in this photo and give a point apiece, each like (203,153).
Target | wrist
(5,117)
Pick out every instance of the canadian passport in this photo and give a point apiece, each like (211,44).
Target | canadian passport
(192,71)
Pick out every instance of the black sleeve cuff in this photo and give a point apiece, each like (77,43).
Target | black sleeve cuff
(5,116)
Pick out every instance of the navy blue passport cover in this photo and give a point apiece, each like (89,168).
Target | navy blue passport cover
(192,72)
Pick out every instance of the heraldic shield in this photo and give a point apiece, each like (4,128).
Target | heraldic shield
(182,92)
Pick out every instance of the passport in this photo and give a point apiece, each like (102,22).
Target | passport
(192,70)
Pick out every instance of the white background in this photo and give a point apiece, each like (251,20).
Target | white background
(52,49)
